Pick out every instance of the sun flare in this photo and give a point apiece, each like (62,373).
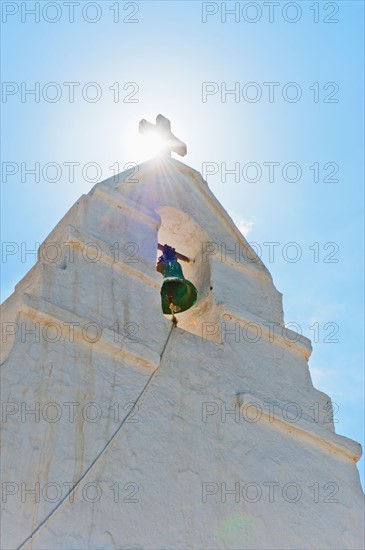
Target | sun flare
(140,147)
(152,144)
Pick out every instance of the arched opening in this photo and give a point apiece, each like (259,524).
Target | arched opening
(183,233)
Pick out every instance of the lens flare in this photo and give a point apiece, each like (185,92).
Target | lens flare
(234,530)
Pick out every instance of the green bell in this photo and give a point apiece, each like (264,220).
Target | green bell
(177,293)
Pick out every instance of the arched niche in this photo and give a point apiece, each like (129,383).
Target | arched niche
(183,233)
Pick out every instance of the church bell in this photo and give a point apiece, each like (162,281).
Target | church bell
(177,293)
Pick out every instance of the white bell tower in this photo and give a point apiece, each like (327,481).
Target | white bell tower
(123,430)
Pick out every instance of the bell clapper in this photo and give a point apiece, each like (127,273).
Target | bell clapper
(173,318)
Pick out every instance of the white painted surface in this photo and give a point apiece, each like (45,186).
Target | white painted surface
(178,437)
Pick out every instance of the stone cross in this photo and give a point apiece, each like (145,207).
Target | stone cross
(163,128)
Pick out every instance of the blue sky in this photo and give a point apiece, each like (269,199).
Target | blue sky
(159,63)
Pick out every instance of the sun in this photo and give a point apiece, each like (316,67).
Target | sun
(152,144)
(138,147)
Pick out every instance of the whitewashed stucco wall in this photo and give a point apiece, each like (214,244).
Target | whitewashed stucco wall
(163,468)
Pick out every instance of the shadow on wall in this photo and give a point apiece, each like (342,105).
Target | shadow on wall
(183,233)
